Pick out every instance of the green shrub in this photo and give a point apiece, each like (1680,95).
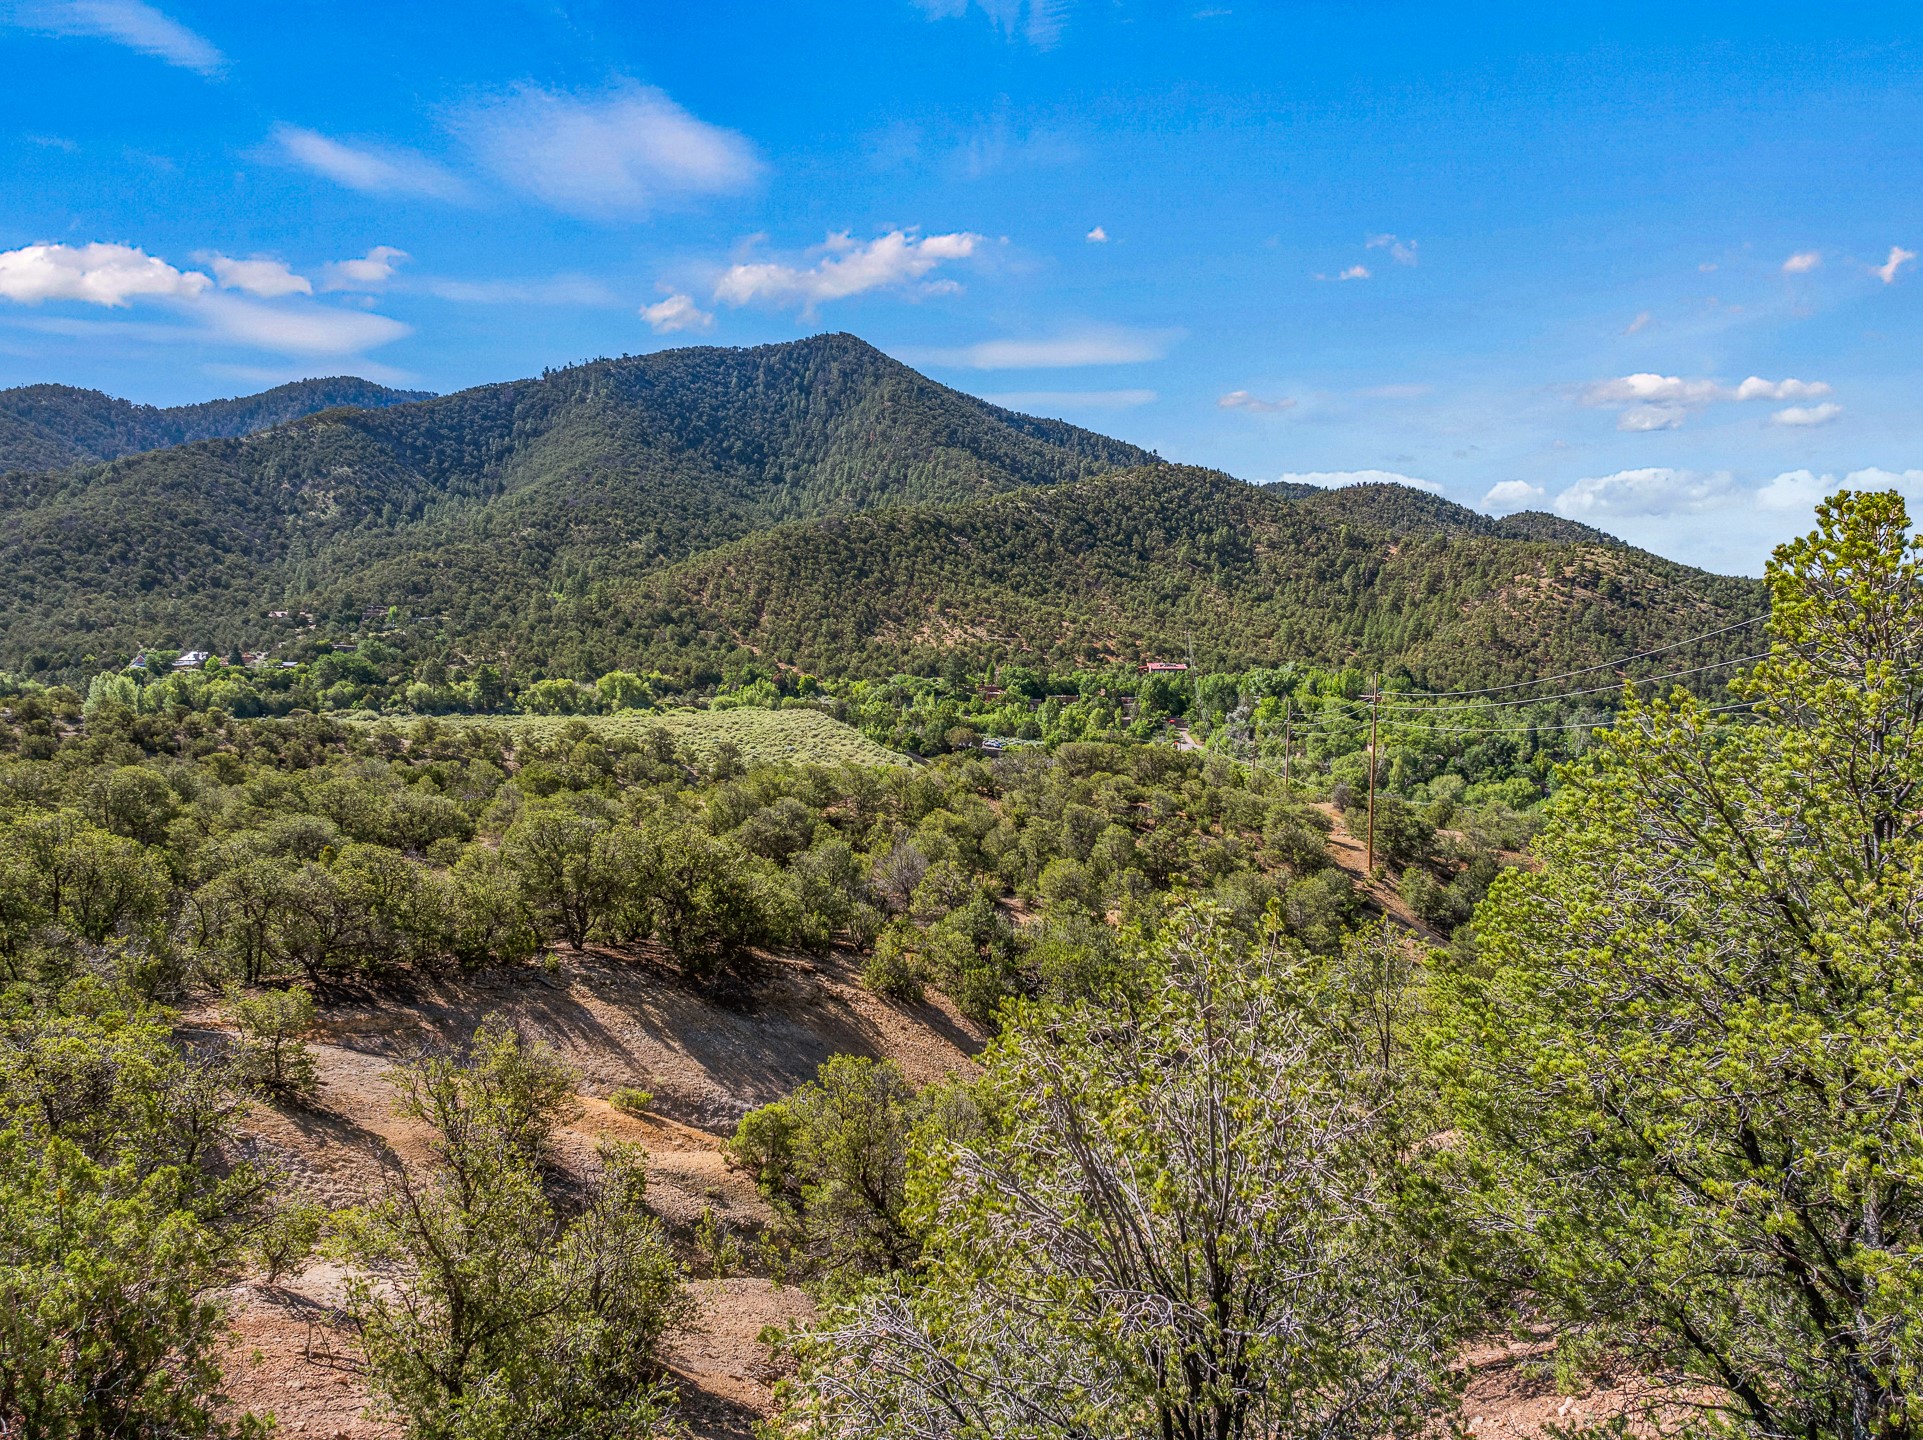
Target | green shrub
(631,1101)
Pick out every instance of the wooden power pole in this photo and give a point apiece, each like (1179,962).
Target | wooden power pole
(1375,706)
(1288,719)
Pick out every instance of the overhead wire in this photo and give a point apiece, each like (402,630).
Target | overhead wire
(1587,669)
(1403,699)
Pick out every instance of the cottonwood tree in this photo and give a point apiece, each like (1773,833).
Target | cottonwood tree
(1179,1218)
(1685,1061)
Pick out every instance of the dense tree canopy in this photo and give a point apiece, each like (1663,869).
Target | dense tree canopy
(1685,1057)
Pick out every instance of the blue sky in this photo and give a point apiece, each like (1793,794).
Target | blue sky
(1648,266)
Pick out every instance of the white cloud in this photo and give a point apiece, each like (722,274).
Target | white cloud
(96,274)
(1649,492)
(1807,415)
(847,267)
(1801,489)
(1243,400)
(1354,272)
(1899,257)
(1403,252)
(114,275)
(625,153)
(1508,495)
(1802,262)
(1757,388)
(1097,236)
(1032,400)
(269,279)
(1648,389)
(1641,322)
(677,312)
(1651,417)
(131,23)
(1337,479)
(297,329)
(370,272)
(1663,402)
(1108,345)
(370,169)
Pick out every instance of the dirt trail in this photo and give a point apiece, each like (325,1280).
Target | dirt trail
(619,1020)
(1351,855)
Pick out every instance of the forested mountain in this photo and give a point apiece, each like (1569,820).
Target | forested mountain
(1149,560)
(466,504)
(814,503)
(48,427)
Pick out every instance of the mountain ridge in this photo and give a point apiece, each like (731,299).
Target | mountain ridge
(673,511)
(48,427)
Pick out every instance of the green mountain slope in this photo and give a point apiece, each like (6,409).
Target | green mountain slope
(48,427)
(1147,561)
(480,504)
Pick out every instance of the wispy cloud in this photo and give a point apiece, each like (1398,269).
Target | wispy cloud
(1354,272)
(1243,400)
(1803,416)
(1034,400)
(628,152)
(546,290)
(1656,490)
(269,279)
(1510,495)
(1039,22)
(1339,479)
(1899,257)
(370,272)
(370,168)
(846,267)
(1638,325)
(116,276)
(298,329)
(1097,236)
(1650,401)
(677,312)
(1403,252)
(1802,262)
(1801,489)
(132,23)
(1106,345)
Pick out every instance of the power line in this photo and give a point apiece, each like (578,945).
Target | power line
(1587,669)
(1396,702)
(1597,724)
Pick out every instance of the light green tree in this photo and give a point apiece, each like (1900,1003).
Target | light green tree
(1180,1218)
(833,1160)
(491,1317)
(272,1055)
(121,1225)
(1685,1059)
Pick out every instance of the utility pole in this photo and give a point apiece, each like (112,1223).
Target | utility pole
(1288,718)
(1375,706)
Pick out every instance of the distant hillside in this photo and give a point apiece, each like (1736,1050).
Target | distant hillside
(49,427)
(490,504)
(814,503)
(1142,562)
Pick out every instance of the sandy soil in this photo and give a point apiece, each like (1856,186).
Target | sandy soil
(620,1020)
(623,1020)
